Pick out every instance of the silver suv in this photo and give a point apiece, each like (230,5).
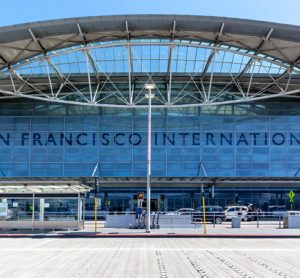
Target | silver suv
(234,211)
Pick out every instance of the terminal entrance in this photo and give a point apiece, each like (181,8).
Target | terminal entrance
(153,204)
(177,193)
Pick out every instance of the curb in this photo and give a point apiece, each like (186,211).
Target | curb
(116,235)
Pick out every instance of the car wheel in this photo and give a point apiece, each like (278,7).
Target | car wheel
(218,220)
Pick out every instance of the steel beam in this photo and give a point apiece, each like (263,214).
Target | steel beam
(129,55)
(212,54)
(90,58)
(170,62)
(258,49)
(187,91)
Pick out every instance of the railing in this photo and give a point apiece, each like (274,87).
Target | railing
(249,218)
(131,219)
(213,219)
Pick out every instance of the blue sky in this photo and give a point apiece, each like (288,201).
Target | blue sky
(20,11)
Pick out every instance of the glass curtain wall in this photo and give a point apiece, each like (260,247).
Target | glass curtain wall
(255,140)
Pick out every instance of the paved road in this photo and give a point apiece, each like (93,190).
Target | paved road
(154,257)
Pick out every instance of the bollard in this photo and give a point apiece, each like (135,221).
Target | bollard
(257,219)
(279,218)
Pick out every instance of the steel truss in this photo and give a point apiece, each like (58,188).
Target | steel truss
(99,87)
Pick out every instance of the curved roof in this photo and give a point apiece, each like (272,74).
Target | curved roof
(192,60)
(18,42)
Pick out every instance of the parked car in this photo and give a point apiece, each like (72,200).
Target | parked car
(214,214)
(234,211)
(185,211)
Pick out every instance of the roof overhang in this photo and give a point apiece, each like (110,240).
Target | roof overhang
(277,45)
(22,41)
(42,187)
(84,184)
(195,182)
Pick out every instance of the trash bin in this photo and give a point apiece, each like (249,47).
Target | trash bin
(236,222)
(291,219)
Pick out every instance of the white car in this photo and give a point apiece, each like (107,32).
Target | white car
(234,211)
(185,211)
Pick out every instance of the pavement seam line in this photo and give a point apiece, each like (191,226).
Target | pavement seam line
(274,270)
(230,265)
(161,264)
(195,265)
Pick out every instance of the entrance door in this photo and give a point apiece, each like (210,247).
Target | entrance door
(154,205)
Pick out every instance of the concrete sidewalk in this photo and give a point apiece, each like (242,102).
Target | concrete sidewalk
(149,257)
(248,229)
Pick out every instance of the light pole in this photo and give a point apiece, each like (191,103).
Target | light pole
(149,87)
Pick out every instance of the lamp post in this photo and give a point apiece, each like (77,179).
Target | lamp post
(149,87)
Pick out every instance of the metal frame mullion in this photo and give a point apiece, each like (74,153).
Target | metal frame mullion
(156,106)
(130,65)
(170,63)
(89,76)
(211,77)
(212,54)
(87,52)
(258,49)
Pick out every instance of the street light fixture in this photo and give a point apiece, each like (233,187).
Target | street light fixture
(149,87)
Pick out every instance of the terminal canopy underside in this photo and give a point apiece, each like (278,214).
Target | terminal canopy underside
(106,61)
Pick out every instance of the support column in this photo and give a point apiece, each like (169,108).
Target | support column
(42,209)
(148,221)
(78,211)
(33,203)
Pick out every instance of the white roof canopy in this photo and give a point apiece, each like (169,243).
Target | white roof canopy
(42,187)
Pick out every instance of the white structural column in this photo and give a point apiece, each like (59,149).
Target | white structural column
(149,87)
(33,212)
(42,209)
(79,210)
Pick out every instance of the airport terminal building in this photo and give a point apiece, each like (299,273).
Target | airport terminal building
(225,111)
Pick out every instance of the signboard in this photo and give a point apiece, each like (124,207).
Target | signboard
(291,196)
(15,204)
(3,209)
(203,138)
(47,205)
(140,196)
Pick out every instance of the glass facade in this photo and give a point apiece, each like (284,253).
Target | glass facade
(270,199)
(53,140)
(55,208)
(211,130)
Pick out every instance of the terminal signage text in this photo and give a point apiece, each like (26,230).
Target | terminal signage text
(158,138)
